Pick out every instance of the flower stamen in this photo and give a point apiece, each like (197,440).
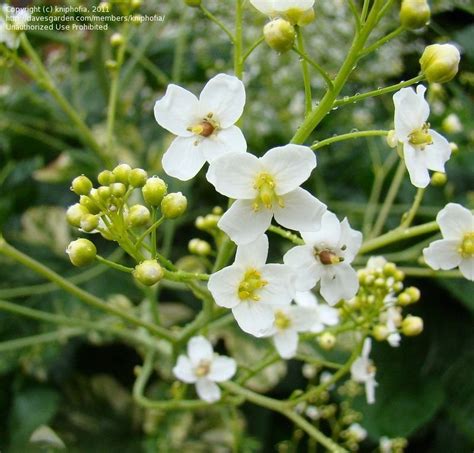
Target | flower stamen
(250,285)
(282,321)
(466,248)
(265,185)
(421,137)
(203,368)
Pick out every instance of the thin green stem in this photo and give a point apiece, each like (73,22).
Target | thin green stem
(306,59)
(225,252)
(410,215)
(348,136)
(219,23)
(430,273)
(286,234)
(305,71)
(238,40)
(391,195)
(355,13)
(383,40)
(317,361)
(378,92)
(272,358)
(182,276)
(180,49)
(252,48)
(113,265)
(149,230)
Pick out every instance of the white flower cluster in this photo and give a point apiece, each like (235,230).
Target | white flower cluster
(11,25)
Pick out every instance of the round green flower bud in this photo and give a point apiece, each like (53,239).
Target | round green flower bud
(81,252)
(440,62)
(111,65)
(121,173)
(412,326)
(327,341)
(414,293)
(89,203)
(438,179)
(118,189)
(138,215)
(414,14)
(137,177)
(193,3)
(454,147)
(279,34)
(199,247)
(404,299)
(301,17)
(106,178)
(136,4)
(154,190)
(173,205)
(75,213)
(452,124)
(104,193)
(148,272)
(89,222)
(380,332)
(116,39)
(389,268)
(81,185)
(392,139)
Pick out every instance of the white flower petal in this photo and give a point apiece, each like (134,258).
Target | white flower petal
(264,6)
(302,318)
(183,370)
(199,348)
(208,391)
(328,235)
(285,5)
(301,211)
(224,285)
(254,254)
(286,343)
(230,140)
(454,221)
(339,282)
(367,347)
(359,370)
(280,289)
(243,224)
(184,158)
(351,239)
(307,269)
(370,385)
(306,299)
(411,111)
(466,266)
(328,315)
(438,153)
(177,110)
(416,166)
(290,166)
(443,254)
(224,97)
(254,317)
(233,175)
(222,369)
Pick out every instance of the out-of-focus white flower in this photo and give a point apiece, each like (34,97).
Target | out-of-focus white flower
(252,288)
(456,249)
(385,445)
(266,187)
(392,320)
(312,412)
(274,8)
(423,148)
(363,371)
(357,432)
(204,368)
(452,124)
(323,314)
(326,257)
(376,263)
(205,127)
(12,24)
(289,321)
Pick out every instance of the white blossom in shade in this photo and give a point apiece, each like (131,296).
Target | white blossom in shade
(264,188)
(456,249)
(323,314)
(205,127)
(12,24)
(393,318)
(385,445)
(289,321)
(357,432)
(274,8)
(423,148)
(313,413)
(252,288)
(326,257)
(363,371)
(376,263)
(204,368)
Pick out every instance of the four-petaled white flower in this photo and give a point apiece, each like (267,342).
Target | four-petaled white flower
(363,371)
(12,24)
(205,126)
(456,249)
(266,187)
(289,321)
(423,148)
(323,314)
(326,257)
(204,368)
(251,288)
(274,8)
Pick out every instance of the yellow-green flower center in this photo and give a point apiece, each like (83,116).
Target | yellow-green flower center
(265,185)
(466,248)
(282,321)
(203,368)
(206,127)
(421,137)
(250,285)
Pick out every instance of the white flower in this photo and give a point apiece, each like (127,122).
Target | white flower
(392,319)
(312,412)
(385,445)
(251,288)
(357,432)
(204,368)
(326,257)
(11,25)
(323,314)
(376,263)
(266,187)
(278,7)
(423,148)
(456,249)
(289,321)
(363,371)
(204,127)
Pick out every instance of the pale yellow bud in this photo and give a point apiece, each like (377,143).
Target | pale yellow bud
(440,62)
(414,14)
(279,35)
(412,326)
